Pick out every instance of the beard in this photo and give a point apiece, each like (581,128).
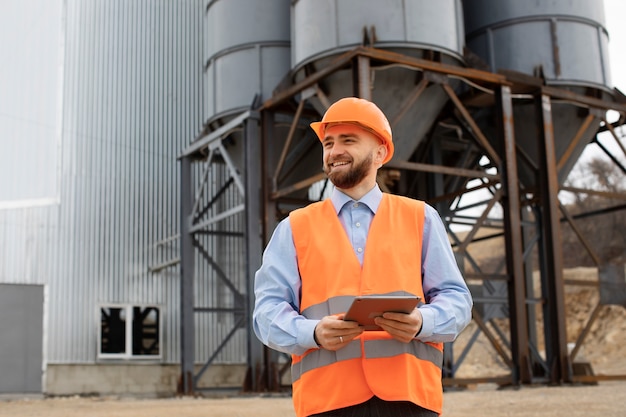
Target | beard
(352,177)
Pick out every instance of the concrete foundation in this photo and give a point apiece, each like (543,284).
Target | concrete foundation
(149,380)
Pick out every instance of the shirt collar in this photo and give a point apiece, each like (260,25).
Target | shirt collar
(371,199)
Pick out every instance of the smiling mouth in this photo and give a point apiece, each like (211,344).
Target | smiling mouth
(339,163)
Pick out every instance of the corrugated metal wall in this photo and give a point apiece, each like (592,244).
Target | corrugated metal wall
(131,103)
(127,101)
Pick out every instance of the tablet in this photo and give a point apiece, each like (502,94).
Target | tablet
(365,308)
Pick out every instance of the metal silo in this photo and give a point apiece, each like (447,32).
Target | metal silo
(324,29)
(247,52)
(564,43)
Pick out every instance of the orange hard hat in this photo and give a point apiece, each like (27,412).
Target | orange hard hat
(361,111)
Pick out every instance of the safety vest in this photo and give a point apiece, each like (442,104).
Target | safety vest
(374,363)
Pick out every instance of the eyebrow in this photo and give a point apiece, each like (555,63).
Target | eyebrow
(342,136)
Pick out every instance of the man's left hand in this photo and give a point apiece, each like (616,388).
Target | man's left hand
(403,327)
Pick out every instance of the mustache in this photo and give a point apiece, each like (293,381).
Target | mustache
(340,159)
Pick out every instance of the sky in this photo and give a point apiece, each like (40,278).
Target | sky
(615,12)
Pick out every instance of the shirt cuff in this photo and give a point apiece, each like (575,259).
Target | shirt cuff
(428,323)
(306,338)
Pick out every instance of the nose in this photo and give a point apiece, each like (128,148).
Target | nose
(334,150)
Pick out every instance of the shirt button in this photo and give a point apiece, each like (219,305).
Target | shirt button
(359,250)
(355,205)
(358,224)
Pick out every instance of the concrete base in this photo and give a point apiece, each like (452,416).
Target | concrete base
(149,380)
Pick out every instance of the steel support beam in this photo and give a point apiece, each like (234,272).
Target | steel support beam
(513,240)
(361,77)
(554,307)
(267,379)
(187,336)
(254,243)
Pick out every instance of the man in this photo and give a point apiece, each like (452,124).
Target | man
(359,242)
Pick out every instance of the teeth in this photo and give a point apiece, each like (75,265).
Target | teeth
(336,164)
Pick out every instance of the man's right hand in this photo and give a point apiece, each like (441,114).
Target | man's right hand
(333,332)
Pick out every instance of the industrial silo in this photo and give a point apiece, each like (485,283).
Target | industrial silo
(324,29)
(247,52)
(561,43)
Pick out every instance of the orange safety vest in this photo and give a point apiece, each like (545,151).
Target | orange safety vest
(374,363)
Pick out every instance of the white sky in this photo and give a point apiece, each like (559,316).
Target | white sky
(615,12)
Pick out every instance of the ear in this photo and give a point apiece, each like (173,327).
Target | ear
(381,154)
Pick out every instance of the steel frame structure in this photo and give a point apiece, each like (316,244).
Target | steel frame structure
(269,196)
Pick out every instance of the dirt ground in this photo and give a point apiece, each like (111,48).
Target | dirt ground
(606,399)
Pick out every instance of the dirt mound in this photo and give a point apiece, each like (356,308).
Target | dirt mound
(602,347)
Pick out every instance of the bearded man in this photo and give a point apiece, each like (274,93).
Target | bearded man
(360,241)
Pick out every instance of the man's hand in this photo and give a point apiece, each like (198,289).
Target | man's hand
(403,327)
(333,333)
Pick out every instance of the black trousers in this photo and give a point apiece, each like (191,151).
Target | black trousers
(375,407)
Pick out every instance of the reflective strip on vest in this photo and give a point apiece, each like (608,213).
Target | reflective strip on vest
(384,348)
(322,357)
(387,348)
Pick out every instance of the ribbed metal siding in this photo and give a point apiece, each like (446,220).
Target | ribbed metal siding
(132,100)
(131,103)
(27,244)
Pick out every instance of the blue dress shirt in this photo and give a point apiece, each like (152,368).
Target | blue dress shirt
(276,319)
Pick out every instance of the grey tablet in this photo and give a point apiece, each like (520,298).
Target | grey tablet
(365,308)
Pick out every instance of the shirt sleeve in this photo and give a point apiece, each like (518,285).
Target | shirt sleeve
(276,318)
(448,308)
